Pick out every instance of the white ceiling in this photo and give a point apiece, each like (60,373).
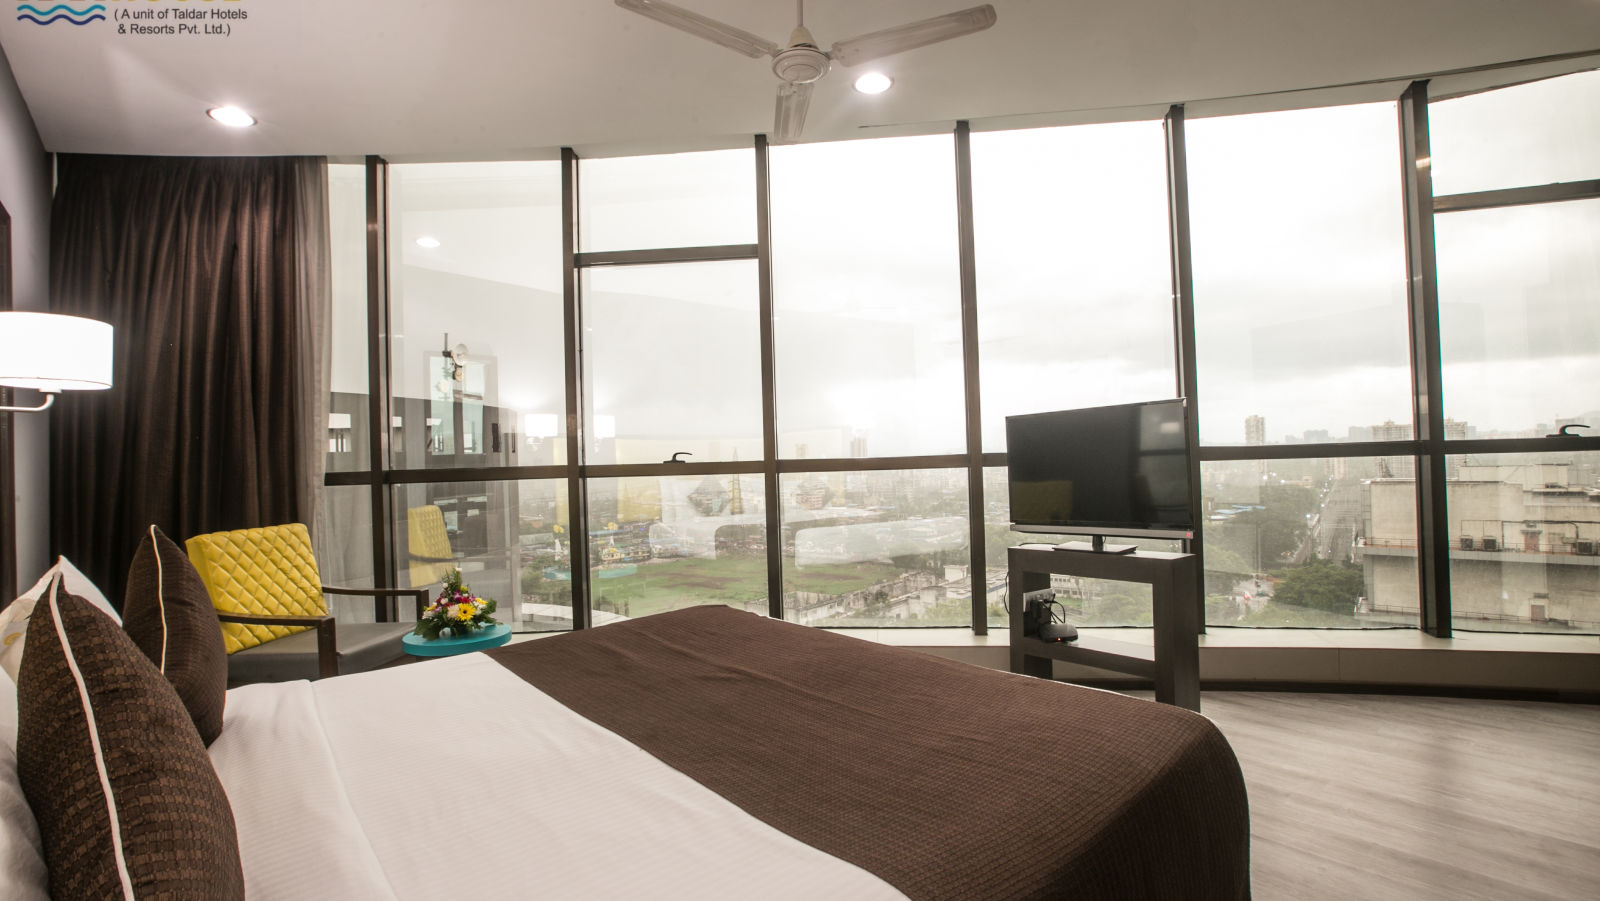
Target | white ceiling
(417,79)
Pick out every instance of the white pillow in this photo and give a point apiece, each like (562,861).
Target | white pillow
(23,876)
(14,619)
(8,715)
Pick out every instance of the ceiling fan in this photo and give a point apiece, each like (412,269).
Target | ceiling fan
(802,62)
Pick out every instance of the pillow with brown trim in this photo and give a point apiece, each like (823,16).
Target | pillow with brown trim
(168,614)
(127,801)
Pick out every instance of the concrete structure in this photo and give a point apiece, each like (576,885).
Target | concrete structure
(1525,547)
(1404,467)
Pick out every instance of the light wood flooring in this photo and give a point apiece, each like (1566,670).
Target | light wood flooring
(1384,797)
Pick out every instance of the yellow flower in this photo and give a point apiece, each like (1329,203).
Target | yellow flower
(464,613)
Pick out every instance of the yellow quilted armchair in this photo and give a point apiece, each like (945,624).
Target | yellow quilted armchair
(275,621)
(431,556)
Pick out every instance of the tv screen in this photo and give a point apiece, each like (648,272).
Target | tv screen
(1119,470)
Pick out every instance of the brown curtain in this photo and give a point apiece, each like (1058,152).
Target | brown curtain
(199,266)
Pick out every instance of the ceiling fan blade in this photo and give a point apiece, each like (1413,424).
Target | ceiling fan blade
(702,27)
(879,44)
(793,101)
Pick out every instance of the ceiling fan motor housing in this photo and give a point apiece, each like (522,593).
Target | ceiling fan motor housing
(800,64)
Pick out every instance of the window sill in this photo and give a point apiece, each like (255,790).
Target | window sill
(1402,658)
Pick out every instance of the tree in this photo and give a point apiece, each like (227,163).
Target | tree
(1221,609)
(997,538)
(1266,537)
(1123,605)
(1321,585)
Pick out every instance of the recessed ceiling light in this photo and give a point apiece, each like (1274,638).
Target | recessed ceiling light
(873,83)
(428,242)
(231,116)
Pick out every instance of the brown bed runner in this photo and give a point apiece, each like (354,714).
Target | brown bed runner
(947,780)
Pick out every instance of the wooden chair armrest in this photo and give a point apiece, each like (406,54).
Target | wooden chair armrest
(266,619)
(327,634)
(421,595)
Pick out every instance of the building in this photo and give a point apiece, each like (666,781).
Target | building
(1525,546)
(1255,430)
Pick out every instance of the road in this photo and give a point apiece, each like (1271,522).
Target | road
(1333,527)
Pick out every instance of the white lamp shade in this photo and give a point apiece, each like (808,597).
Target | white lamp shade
(48,352)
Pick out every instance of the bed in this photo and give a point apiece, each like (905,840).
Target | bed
(712,753)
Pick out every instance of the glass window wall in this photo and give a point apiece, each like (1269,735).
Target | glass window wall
(667,200)
(868,298)
(508,538)
(672,362)
(876,548)
(1519,309)
(1301,330)
(667,542)
(1524,535)
(1311,542)
(1299,275)
(476,314)
(1074,269)
(348,415)
(1538,133)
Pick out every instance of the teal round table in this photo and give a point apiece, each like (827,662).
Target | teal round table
(492,637)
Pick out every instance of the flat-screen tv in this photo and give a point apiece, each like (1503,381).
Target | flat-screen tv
(1118,470)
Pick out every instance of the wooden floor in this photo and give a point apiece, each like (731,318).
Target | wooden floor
(1383,797)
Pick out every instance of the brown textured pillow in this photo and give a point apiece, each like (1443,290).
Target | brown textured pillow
(168,614)
(127,801)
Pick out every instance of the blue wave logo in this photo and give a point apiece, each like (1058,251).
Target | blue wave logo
(27,12)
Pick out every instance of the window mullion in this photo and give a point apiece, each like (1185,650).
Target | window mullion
(1422,298)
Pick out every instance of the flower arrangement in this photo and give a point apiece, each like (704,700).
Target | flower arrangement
(456,611)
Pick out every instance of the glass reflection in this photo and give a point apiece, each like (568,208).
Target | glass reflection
(476,314)
(508,539)
(664,543)
(348,417)
(876,548)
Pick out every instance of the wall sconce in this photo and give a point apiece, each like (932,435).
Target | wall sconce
(51,353)
(338,433)
(455,361)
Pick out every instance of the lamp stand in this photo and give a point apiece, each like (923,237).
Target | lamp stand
(49,398)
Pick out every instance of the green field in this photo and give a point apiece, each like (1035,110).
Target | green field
(667,584)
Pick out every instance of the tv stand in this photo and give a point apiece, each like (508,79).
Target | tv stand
(1096,545)
(1174,662)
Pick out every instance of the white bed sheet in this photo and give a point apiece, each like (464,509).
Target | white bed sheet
(453,778)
